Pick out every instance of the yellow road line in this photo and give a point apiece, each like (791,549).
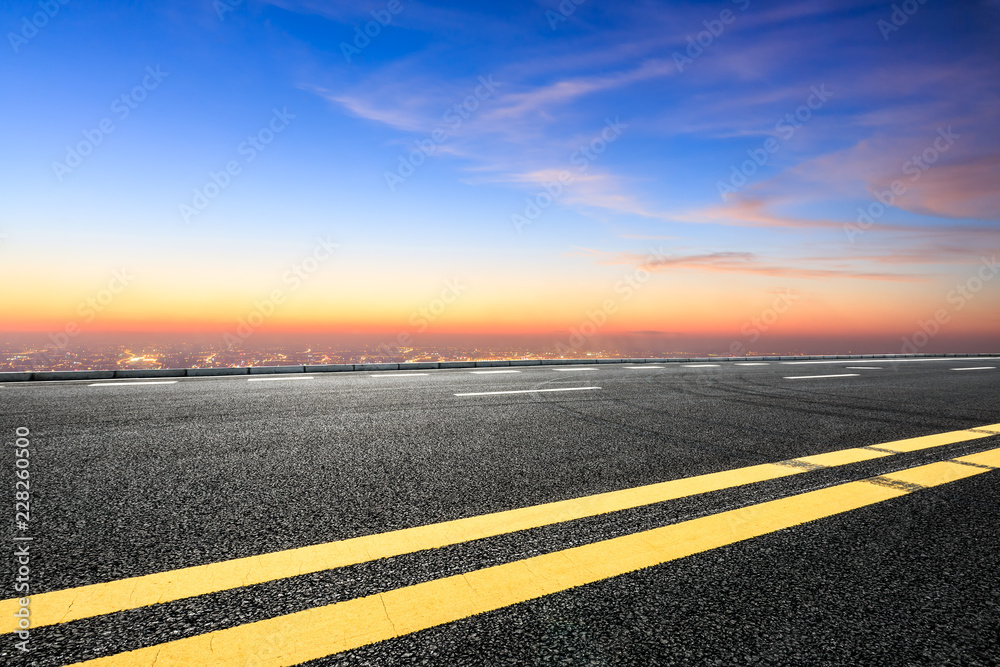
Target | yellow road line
(322,631)
(105,598)
(928,441)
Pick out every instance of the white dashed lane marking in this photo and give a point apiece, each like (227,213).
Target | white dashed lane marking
(297,377)
(894,361)
(525,391)
(120,384)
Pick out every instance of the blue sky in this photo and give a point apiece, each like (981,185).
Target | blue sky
(683,118)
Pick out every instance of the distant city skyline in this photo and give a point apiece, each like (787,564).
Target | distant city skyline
(31,353)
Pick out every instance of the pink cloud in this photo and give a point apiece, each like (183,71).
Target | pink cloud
(967,189)
(747,263)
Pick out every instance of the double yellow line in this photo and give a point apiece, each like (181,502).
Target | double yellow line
(306,635)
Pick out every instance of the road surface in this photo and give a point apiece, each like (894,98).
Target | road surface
(820,513)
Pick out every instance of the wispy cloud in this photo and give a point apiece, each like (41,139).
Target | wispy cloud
(395,117)
(542,99)
(965,189)
(747,263)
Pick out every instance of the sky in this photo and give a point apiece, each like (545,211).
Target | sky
(735,175)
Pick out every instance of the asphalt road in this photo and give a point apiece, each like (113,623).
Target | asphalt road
(131,478)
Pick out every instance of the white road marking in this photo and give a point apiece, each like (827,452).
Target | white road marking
(398,375)
(565,370)
(111,384)
(814,377)
(863,368)
(489,372)
(701,365)
(880,361)
(525,391)
(297,377)
(753,363)
(980,368)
